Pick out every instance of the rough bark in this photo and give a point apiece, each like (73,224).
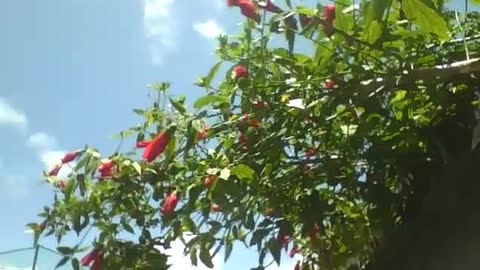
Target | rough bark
(446,233)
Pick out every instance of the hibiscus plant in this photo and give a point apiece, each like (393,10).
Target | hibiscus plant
(298,147)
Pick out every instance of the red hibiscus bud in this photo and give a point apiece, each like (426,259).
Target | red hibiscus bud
(55,170)
(202,134)
(61,184)
(294,251)
(283,240)
(271,7)
(245,117)
(329,13)
(41,226)
(313,233)
(93,256)
(297,266)
(232,3)
(329,84)
(240,71)
(106,168)
(328,29)
(259,105)
(243,138)
(208,181)
(254,123)
(158,145)
(248,9)
(305,20)
(97,264)
(143,144)
(310,152)
(216,208)
(70,157)
(170,203)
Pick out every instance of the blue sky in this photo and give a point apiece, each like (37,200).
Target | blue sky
(72,70)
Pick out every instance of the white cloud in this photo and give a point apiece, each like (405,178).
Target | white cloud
(12,117)
(158,24)
(209,29)
(41,141)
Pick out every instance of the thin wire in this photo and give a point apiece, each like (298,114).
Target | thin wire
(16,250)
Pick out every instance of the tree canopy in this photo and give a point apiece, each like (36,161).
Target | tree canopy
(311,152)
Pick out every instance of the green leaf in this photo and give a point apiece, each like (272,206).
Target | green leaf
(207,100)
(373,31)
(224,174)
(275,250)
(137,168)
(178,106)
(243,172)
(65,250)
(205,257)
(193,256)
(349,129)
(421,12)
(63,261)
(228,249)
(211,74)
(475,2)
(75,264)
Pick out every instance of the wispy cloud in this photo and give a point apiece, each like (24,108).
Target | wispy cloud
(10,116)
(208,29)
(158,24)
(47,151)
(41,141)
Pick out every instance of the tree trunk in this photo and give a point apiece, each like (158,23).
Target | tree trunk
(446,233)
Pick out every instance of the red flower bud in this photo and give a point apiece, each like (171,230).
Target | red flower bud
(329,13)
(329,84)
(216,208)
(61,184)
(271,7)
(106,168)
(55,170)
(254,123)
(143,144)
(294,251)
(305,20)
(170,203)
(243,138)
(42,226)
(202,134)
(259,105)
(208,181)
(328,29)
(94,256)
(313,233)
(310,152)
(232,3)
(156,146)
(297,266)
(248,9)
(70,157)
(240,71)
(283,240)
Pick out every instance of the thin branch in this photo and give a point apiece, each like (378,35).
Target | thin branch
(439,72)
